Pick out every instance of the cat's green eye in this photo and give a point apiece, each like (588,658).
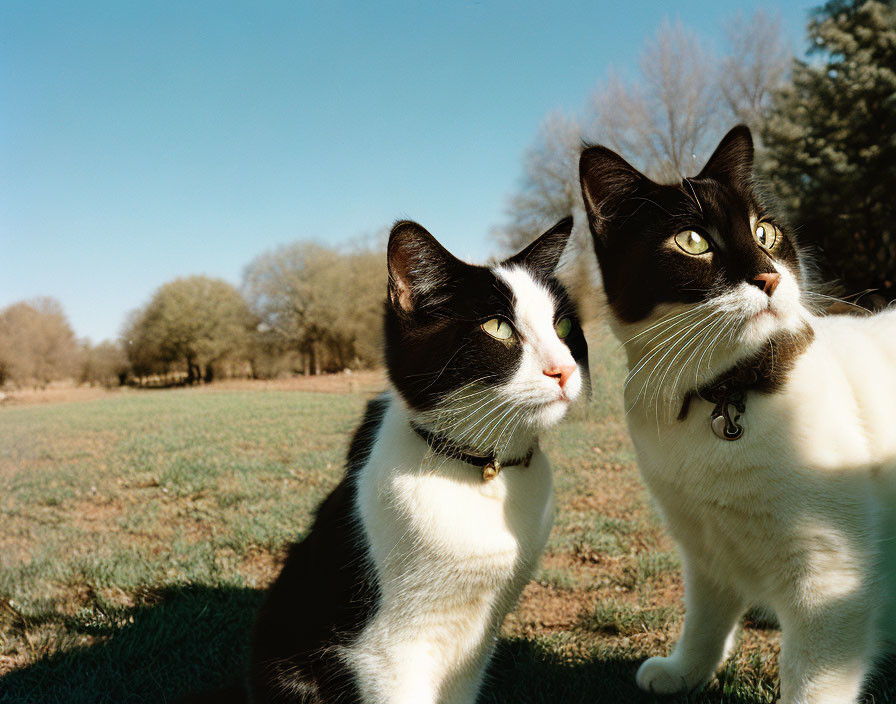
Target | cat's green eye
(563,327)
(692,242)
(498,329)
(767,235)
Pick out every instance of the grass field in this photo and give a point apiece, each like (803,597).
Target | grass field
(140,529)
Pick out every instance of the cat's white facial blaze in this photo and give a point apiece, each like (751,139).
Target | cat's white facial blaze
(547,379)
(761,315)
(505,417)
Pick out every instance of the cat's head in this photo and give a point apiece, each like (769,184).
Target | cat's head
(485,355)
(703,264)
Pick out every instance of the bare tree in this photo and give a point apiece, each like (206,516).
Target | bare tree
(668,118)
(320,302)
(757,63)
(665,121)
(546,193)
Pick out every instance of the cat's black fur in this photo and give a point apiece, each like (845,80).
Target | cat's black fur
(631,218)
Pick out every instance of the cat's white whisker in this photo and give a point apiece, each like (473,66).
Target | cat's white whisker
(669,345)
(488,429)
(662,321)
(676,394)
(695,339)
(725,331)
(677,351)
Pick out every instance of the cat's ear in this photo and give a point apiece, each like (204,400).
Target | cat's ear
(418,267)
(732,161)
(544,253)
(606,179)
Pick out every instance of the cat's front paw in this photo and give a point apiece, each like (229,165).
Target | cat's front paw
(663,676)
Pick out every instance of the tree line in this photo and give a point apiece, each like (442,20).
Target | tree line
(825,131)
(302,308)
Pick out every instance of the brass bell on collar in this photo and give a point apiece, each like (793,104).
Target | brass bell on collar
(491,470)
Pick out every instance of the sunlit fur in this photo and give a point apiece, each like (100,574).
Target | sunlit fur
(799,514)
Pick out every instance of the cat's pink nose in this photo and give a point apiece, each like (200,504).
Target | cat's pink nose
(561,373)
(767,283)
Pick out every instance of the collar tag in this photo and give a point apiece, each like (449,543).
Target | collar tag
(723,425)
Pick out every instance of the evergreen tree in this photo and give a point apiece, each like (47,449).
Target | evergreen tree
(830,144)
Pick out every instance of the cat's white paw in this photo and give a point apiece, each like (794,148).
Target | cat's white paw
(662,676)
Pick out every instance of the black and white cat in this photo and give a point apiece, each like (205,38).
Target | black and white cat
(766,434)
(397,593)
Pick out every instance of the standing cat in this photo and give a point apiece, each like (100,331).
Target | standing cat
(397,593)
(766,434)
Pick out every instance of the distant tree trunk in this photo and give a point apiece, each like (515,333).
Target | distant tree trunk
(345,352)
(209,373)
(316,349)
(194,375)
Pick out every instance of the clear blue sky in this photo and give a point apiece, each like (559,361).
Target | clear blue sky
(141,141)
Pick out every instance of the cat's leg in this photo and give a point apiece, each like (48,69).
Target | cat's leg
(464,689)
(404,672)
(711,615)
(826,653)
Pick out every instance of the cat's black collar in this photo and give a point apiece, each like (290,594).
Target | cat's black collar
(764,373)
(489,464)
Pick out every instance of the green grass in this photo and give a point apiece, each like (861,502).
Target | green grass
(139,532)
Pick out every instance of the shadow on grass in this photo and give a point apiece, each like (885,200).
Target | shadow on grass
(524,673)
(521,674)
(182,640)
(189,639)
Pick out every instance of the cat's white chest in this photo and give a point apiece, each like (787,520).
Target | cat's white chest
(834,416)
(451,553)
(809,489)
(464,520)
(440,520)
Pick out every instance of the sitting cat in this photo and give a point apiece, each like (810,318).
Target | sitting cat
(397,593)
(765,433)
